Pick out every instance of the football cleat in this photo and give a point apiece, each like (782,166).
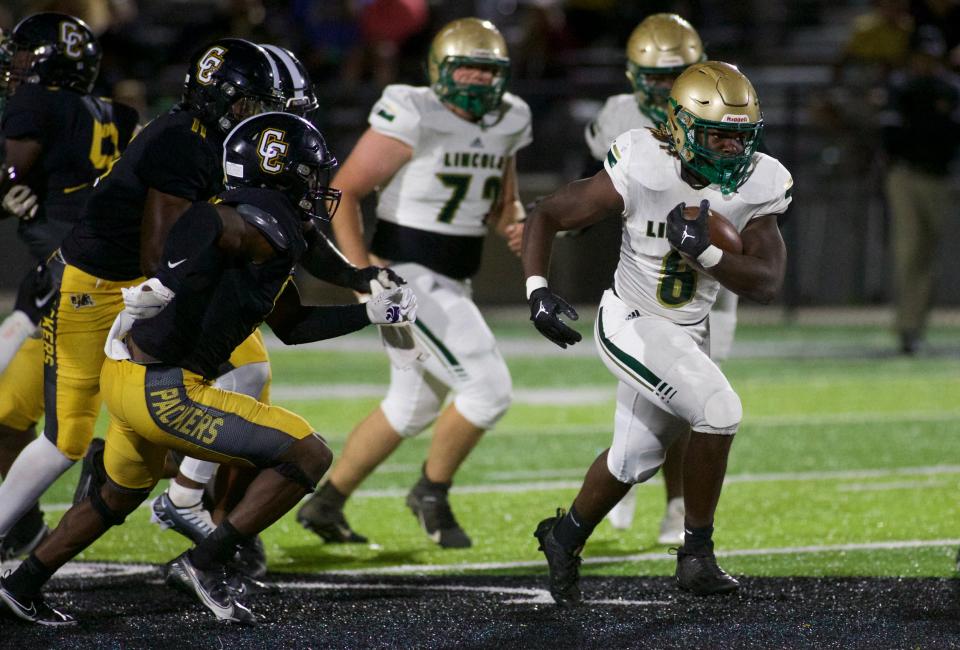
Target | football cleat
(25,536)
(699,573)
(34,609)
(564,566)
(92,473)
(671,526)
(326,520)
(621,515)
(429,504)
(216,589)
(193,522)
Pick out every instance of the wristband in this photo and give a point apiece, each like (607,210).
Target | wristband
(710,257)
(535,282)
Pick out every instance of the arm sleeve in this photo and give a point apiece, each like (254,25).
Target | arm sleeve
(617,163)
(325,322)
(395,114)
(191,258)
(324,261)
(177,162)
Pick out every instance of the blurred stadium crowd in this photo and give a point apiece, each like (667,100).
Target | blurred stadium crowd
(822,70)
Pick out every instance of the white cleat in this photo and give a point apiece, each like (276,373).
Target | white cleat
(671,526)
(621,515)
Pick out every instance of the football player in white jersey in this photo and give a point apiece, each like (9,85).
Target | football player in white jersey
(442,160)
(652,330)
(658,50)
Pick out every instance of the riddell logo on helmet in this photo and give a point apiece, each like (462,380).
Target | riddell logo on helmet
(669,61)
(737,119)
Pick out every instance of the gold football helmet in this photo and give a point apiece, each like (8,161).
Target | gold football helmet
(663,45)
(469,42)
(715,96)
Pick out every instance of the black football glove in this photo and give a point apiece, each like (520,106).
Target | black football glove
(36,293)
(689,237)
(360,279)
(545,310)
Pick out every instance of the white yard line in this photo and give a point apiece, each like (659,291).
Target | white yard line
(890,485)
(94,570)
(657,556)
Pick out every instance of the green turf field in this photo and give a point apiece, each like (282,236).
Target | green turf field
(848,463)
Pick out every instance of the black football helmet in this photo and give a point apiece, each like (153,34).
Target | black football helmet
(295,85)
(229,80)
(51,49)
(282,151)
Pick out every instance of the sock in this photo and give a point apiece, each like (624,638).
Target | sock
(28,579)
(698,539)
(182,496)
(13,332)
(200,471)
(572,530)
(35,469)
(330,495)
(218,547)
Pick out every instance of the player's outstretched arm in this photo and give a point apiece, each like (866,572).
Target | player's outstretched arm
(373,161)
(324,260)
(295,323)
(160,212)
(758,273)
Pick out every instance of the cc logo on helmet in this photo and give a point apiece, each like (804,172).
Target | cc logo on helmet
(210,63)
(72,39)
(272,148)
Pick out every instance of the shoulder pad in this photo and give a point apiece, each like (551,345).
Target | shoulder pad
(266,223)
(770,182)
(651,163)
(397,113)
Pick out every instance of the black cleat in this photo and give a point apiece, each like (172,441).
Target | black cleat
(958,560)
(564,566)
(217,589)
(25,535)
(429,504)
(34,609)
(92,473)
(320,516)
(699,573)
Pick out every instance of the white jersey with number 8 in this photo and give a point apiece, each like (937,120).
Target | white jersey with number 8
(651,276)
(456,171)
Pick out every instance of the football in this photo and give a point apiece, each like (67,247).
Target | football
(723,234)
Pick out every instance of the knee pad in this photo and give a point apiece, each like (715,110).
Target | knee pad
(722,413)
(248,379)
(413,402)
(484,401)
(636,467)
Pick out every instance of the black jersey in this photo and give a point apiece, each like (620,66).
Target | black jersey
(199,330)
(174,154)
(81,136)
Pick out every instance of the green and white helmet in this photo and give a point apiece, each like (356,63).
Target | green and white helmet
(715,96)
(469,42)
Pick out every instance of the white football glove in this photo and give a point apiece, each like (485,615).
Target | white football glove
(21,202)
(393,307)
(147,299)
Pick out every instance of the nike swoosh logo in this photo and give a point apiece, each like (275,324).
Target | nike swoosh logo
(39,302)
(174,265)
